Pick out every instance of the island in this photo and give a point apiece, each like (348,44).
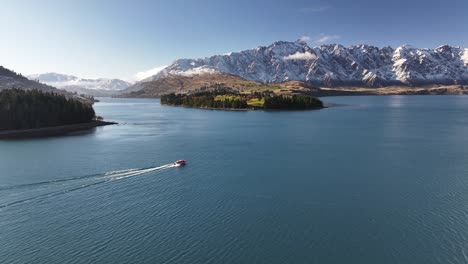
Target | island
(33,113)
(230,99)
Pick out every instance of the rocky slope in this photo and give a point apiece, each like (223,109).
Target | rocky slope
(333,65)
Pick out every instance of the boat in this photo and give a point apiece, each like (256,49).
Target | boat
(179,163)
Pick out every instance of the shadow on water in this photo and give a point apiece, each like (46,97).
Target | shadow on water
(84,132)
(80,132)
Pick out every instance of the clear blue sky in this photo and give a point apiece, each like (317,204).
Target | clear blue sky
(117,38)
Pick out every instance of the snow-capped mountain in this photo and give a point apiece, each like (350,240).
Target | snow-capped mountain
(334,65)
(64,81)
(70,83)
(12,80)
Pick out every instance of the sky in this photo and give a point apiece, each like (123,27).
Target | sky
(119,38)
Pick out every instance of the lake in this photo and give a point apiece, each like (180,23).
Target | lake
(370,180)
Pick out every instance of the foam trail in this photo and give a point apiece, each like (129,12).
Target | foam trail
(120,171)
(96,179)
(134,173)
(110,173)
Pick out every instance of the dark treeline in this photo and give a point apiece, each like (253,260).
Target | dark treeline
(209,99)
(204,100)
(26,109)
(292,102)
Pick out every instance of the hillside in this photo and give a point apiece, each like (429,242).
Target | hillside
(187,84)
(12,80)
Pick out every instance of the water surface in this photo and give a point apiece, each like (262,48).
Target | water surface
(375,180)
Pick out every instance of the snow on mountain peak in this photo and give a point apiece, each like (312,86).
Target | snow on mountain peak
(52,77)
(334,64)
(64,81)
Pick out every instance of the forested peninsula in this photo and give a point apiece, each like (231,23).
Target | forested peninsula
(25,113)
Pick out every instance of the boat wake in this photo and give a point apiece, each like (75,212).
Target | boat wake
(23,193)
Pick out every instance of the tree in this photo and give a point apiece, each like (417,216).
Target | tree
(26,109)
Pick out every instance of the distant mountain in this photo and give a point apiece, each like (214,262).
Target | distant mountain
(95,87)
(333,65)
(10,79)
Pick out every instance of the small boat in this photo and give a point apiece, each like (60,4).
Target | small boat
(179,163)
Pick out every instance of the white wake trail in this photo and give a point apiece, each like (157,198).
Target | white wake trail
(42,190)
(135,172)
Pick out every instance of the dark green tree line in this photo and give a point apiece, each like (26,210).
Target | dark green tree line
(239,101)
(292,102)
(205,99)
(26,109)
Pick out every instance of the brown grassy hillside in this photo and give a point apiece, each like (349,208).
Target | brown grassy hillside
(187,84)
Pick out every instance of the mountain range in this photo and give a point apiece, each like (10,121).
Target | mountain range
(94,87)
(12,80)
(325,66)
(333,65)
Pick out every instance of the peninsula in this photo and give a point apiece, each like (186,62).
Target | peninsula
(33,113)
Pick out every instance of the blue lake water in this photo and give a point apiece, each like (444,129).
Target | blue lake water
(373,180)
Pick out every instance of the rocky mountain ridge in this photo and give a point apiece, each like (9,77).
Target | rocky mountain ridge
(334,65)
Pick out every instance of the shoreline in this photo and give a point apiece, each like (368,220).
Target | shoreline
(391,90)
(244,109)
(210,108)
(52,131)
(357,91)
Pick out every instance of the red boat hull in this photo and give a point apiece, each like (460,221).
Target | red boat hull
(180,162)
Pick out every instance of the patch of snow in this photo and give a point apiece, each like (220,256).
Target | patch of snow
(399,63)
